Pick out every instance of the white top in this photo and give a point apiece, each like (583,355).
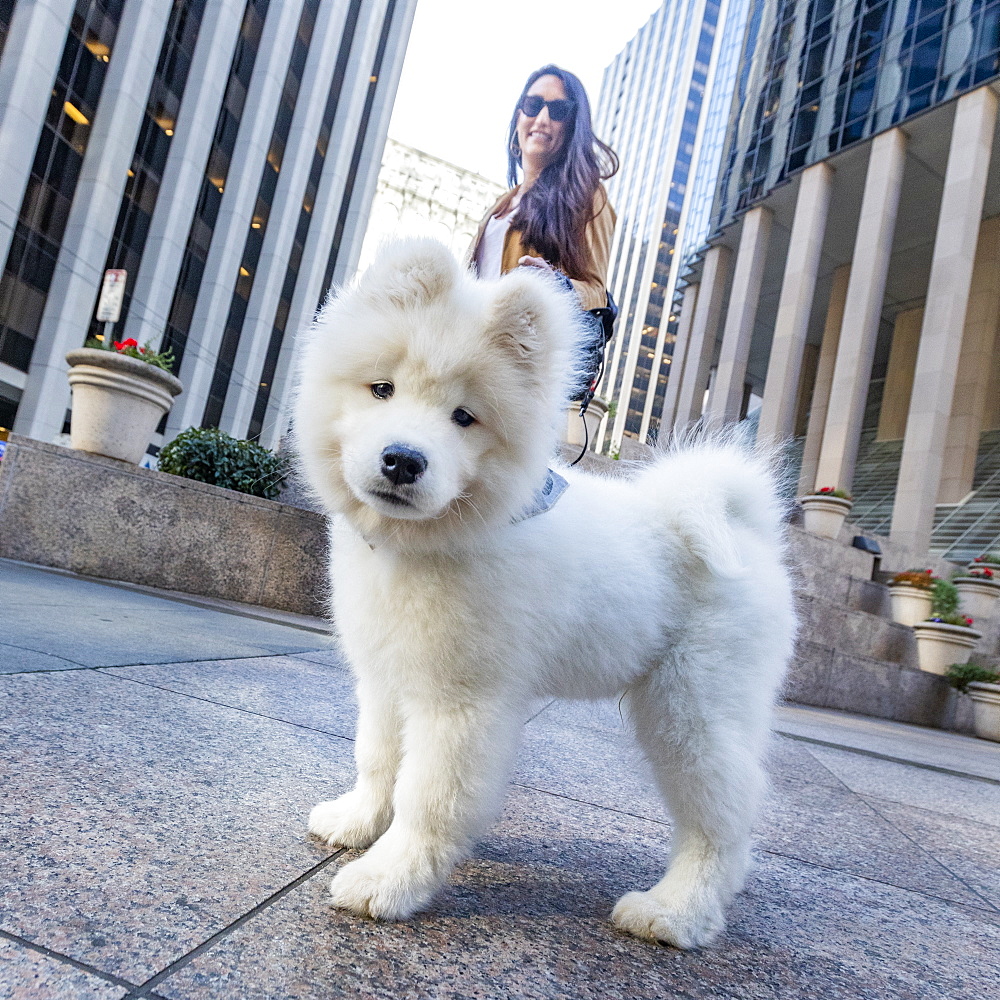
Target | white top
(489,253)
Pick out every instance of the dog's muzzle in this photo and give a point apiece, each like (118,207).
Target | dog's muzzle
(402,465)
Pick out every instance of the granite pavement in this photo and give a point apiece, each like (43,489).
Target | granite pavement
(159,755)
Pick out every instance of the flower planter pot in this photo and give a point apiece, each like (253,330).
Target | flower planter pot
(985,710)
(824,515)
(910,605)
(978,595)
(995,567)
(940,645)
(574,425)
(117,402)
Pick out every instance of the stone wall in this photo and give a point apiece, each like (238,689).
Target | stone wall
(108,519)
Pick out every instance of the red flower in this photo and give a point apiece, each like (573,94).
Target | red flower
(968,621)
(825,489)
(131,342)
(929,572)
(978,559)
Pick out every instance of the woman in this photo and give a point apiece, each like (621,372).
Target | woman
(558,216)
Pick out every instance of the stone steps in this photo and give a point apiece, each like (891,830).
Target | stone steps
(850,655)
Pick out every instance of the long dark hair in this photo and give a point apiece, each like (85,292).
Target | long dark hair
(553,214)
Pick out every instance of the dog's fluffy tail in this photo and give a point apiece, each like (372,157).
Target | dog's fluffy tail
(718,491)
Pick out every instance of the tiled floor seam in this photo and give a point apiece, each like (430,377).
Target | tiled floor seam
(141,663)
(958,878)
(192,600)
(986,911)
(145,990)
(218,704)
(58,956)
(987,907)
(889,757)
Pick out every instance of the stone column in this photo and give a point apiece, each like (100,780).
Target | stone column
(899,375)
(777,413)
(968,410)
(862,310)
(727,395)
(677,359)
(233,223)
(701,343)
(79,269)
(27,72)
(824,379)
(272,267)
(944,318)
(154,284)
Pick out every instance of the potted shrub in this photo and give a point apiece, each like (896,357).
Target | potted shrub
(119,395)
(983,687)
(213,456)
(911,594)
(978,590)
(947,637)
(825,511)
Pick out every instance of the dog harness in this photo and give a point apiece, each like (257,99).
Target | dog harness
(546,496)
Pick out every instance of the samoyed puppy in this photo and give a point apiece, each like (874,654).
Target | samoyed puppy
(470,579)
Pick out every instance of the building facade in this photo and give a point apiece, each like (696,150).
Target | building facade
(852,278)
(420,195)
(664,109)
(223,153)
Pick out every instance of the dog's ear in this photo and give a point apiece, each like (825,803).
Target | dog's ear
(525,313)
(410,273)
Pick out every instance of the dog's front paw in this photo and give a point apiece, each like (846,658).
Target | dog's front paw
(645,916)
(353,820)
(387,893)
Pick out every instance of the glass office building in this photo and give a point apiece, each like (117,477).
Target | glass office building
(223,153)
(663,108)
(851,279)
(824,74)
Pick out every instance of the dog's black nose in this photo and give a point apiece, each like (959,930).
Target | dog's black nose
(402,465)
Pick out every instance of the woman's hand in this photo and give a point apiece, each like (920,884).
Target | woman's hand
(535,262)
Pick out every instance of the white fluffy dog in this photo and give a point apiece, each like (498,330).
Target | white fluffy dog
(427,415)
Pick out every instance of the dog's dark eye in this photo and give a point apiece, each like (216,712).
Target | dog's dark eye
(382,390)
(462,417)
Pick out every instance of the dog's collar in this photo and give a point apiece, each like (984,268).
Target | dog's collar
(546,496)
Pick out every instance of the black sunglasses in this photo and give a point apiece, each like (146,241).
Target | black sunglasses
(559,111)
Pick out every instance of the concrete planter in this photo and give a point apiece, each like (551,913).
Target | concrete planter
(978,595)
(574,425)
(985,710)
(910,605)
(940,645)
(117,402)
(985,565)
(824,515)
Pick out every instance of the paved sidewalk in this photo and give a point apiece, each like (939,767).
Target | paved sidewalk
(159,755)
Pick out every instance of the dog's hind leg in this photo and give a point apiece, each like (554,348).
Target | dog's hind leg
(456,762)
(707,763)
(360,817)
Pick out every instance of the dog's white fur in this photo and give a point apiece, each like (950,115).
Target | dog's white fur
(668,586)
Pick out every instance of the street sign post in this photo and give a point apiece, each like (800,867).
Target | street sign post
(109,305)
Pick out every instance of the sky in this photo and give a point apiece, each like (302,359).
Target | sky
(467,61)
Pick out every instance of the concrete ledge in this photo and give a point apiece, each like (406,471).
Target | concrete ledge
(827,677)
(108,519)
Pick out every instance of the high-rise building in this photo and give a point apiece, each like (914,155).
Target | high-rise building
(223,152)
(421,195)
(852,277)
(664,109)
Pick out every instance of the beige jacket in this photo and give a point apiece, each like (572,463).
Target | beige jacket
(600,229)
